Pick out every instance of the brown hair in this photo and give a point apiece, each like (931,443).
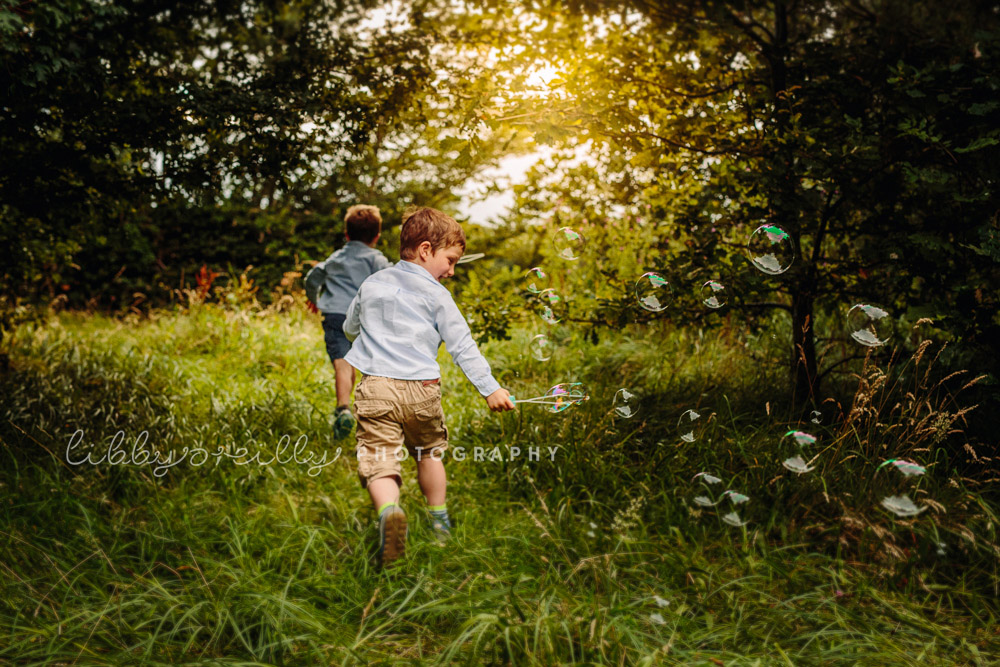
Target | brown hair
(428,224)
(364,223)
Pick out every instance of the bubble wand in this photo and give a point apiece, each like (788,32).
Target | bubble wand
(559,397)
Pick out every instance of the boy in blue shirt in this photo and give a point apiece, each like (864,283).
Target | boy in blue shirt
(397,321)
(332,284)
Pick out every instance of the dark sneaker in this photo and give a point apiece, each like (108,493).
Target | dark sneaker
(392,533)
(343,423)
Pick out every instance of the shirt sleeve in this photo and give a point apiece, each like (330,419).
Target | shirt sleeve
(352,322)
(457,338)
(381,262)
(314,281)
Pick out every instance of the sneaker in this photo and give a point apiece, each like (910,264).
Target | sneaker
(343,422)
(442,532)
(392,532)
(441,528)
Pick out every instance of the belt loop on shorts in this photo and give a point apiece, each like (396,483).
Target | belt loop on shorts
(429,382)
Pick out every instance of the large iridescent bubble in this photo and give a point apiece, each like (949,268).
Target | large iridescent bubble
(653,292)
(869,325)
(770,249)
(535,280)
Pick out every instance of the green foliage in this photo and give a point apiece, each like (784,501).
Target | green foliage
(142,140)
(868,134)
(596,557)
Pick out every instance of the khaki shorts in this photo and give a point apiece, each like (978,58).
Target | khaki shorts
(392,414)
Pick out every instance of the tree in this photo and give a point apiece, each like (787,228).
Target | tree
(146,138)
(867,132)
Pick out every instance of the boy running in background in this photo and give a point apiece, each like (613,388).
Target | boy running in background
(332,284)
(397,321)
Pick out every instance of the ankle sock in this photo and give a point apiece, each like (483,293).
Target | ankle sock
(383,508)
(440,513)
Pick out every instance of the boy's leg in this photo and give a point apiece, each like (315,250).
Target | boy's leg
(380,437)
(432,478)
(344,373)
(383,491)
(434,482)
(427,439)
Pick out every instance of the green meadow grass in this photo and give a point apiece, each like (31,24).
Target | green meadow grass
(595,557)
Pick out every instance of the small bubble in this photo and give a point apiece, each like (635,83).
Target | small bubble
(713,294)
(736,498)
(797,464)
(733,519)
(535,280)
(657,619)
(869,325)
(551,306)
(816,417)
(690,426)
(541,347)
(625,404)
(660,602)
(908,468)
(902,506)
(707,478)
(569,243)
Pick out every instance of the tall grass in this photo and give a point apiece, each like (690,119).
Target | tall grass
(597,557)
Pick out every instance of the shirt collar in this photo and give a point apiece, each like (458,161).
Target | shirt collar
(411,267)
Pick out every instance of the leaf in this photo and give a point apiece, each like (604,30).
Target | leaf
(977,144)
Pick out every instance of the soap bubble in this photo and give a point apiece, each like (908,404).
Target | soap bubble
(797,464)
(690,426)
(800,438)
(653,292)
(908,468)
(733,519)
(707,478)
(770,249)
(713,294)
(626,404)
(869,325)
(551,306)
(660,602)
(535,280)
(565,395)
(541,347)
(657,619)
(735,498)
(792,444)
(902,506)
(705,501)
(569,243)
(816,417)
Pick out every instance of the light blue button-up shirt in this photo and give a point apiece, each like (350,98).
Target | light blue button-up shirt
(332,284)
(398,320)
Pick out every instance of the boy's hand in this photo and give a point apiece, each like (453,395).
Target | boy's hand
(499,401)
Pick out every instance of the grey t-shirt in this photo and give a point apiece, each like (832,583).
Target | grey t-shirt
(332,284)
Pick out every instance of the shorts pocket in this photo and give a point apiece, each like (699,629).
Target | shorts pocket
(370,408)
(428,410)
